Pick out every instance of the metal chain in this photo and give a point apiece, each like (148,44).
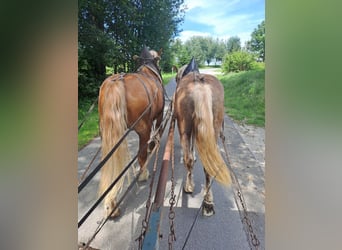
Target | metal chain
(244,217)
(145,221)
(156,138)
(103,221)
(172,201)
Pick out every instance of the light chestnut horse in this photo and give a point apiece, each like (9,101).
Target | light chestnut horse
(122,100)
(199,111)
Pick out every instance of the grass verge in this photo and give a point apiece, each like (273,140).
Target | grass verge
(245,96)
(90,127)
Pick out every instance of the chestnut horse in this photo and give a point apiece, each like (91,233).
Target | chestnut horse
(123,98)
(199,111)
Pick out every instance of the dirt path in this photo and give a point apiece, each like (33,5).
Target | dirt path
(254,138)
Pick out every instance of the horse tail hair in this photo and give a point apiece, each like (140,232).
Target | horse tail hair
(205,138)
(113,114)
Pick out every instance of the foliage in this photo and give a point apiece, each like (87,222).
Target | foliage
(90,127)
(257,43)
(196,47)
(167,77)
(220,50)
(180,54)
(245,96)
(233,44)
(238,61)
(111,32)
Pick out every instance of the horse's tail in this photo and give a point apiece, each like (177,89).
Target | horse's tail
(113,113)
(206,141)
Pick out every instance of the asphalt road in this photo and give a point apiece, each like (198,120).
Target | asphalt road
(224,230)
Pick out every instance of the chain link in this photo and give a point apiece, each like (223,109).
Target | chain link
(244,218)
(145,221)
(172,201)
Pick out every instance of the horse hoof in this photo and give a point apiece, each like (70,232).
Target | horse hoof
(208,209)
(188,189)
(115,214)
(151,146)
(143,176)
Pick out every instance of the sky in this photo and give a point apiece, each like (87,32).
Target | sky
(222,18)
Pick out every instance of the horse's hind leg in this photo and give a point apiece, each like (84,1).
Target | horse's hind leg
(185,135)
(192,147)
(142,154)
(208,203)
(159,134)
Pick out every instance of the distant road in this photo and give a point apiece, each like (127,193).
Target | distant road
(212,71)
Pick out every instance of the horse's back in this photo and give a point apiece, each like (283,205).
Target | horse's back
(194,83)
(141,92)
(195,80)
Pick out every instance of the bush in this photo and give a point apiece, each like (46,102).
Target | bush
(238,61)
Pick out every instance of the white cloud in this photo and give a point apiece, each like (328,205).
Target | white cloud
(191,4)
(185,35)
(225,17)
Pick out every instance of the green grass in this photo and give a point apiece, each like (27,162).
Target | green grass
(167,77)
(245,96)
(90,128)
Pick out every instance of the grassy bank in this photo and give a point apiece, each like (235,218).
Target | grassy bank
(90,127)
(245,96)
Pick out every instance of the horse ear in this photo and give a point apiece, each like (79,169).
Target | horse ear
(174,68)
(160,52)
(135,57)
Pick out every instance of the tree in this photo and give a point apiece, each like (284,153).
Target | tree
(92,46)
(195,48)
(180,56)
(111,32)
(257,43)
(220,50)
(233,44)
(210,50)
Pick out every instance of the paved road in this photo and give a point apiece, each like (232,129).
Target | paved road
(224,230)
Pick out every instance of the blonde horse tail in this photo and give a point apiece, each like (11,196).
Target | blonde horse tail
(113,113)
(206,141)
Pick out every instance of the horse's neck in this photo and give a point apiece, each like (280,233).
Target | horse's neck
(146,69)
